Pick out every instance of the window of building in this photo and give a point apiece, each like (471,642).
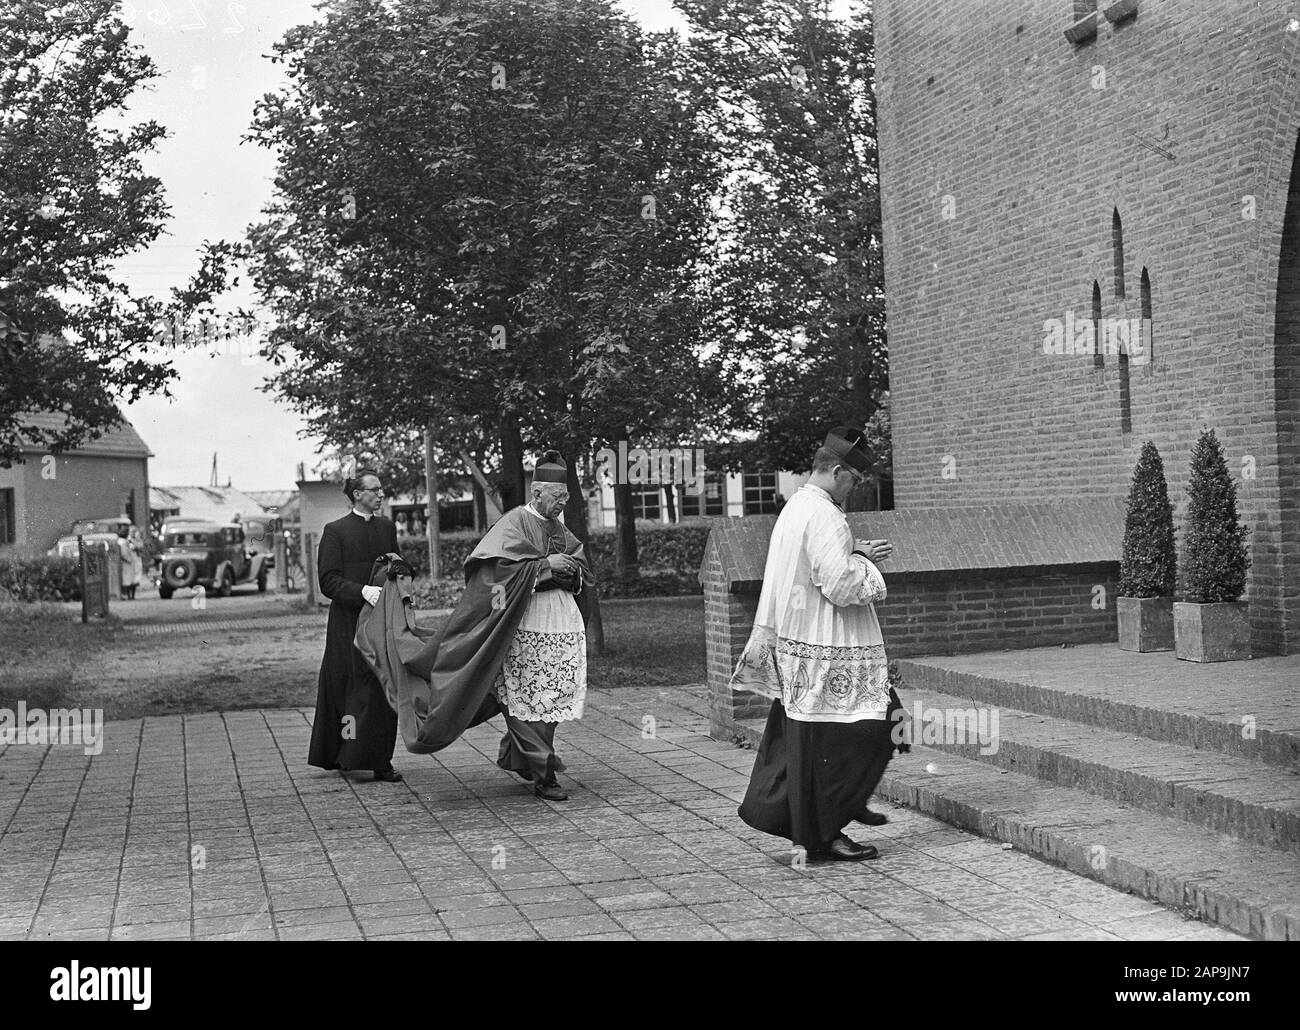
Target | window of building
(1117,244)
(714,498)
(1098,353)
(1148,335)
(645,503)
(760,493)
(7,535)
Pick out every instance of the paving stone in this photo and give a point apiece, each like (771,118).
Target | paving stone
(568,927)
(507,932)
(700,932)
(177,930)
(956,931)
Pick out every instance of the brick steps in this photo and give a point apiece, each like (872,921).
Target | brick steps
(1194,725)
(1215,877)
(1236,796)
(1223,880)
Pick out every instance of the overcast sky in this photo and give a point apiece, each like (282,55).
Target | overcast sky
(210,56)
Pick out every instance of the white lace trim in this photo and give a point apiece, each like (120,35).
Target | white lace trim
(544,676)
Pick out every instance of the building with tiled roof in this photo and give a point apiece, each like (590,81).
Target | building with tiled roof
(42,496)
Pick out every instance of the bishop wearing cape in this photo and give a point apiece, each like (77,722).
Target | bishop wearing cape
(816,650)
(516,645)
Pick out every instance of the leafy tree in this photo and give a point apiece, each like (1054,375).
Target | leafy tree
(797,283)
(1148,566)
(73,200)
(490,214)
(1214,558)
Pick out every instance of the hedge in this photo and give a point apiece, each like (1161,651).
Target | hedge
(663,551)
(669,563)
(40,579)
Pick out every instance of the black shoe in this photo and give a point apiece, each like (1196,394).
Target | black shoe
(841,849)
(389,775)
(870,818)
(550,790)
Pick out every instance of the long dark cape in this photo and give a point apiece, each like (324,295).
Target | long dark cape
(441,687)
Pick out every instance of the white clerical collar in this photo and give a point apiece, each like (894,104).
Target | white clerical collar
(529,508)
(363,515)
(819,492)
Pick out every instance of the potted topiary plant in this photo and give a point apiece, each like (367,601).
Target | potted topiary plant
(1211,624)
(1148,566)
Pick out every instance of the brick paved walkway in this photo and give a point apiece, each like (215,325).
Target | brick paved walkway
(213,826)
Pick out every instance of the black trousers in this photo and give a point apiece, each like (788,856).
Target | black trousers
(811,778)
(528,749)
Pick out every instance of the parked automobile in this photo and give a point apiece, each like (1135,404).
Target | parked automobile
(259,537)
(95,531)
(209,554)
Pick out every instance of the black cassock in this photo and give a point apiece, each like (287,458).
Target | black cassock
(354,726)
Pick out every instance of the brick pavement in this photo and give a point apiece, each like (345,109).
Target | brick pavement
(213,827)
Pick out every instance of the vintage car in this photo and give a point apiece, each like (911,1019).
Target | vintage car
(209,554)
(94,531)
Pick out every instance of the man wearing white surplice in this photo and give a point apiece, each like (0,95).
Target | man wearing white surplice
(816,649)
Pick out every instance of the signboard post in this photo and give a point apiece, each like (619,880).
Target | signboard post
(309,560)
(94,579)
(281,559)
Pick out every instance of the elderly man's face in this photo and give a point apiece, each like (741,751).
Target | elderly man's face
(549,498)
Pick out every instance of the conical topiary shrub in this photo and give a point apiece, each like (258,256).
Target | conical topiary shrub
(1148,566)
(1210,624)
(1214,560)
(1149,563)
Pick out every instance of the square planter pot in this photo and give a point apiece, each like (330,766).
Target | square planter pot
(1212,632)
(1145,623)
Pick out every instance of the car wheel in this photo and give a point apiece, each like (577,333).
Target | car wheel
(165,592)
(179,573)
(227,584)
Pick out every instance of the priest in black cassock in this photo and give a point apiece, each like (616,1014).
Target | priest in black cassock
(354,726)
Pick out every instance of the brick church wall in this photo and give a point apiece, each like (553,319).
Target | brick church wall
(1005,153)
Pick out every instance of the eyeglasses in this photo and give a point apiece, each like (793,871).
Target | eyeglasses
(858,477)
(373,490)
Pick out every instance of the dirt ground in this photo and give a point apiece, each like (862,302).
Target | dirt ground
(155,657)
(263,651)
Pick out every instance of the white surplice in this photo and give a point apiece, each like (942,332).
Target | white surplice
(816,642)
(544,675)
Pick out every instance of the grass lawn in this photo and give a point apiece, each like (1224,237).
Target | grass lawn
(50,660)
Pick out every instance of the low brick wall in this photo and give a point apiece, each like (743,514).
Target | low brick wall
(961,611)
(980,580)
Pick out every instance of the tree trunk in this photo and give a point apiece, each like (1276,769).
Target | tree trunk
(670,501)
(431,492)
(480,507)
(511,479)
(575,517)
(625,527)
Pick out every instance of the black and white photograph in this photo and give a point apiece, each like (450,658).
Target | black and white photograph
(650,470)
